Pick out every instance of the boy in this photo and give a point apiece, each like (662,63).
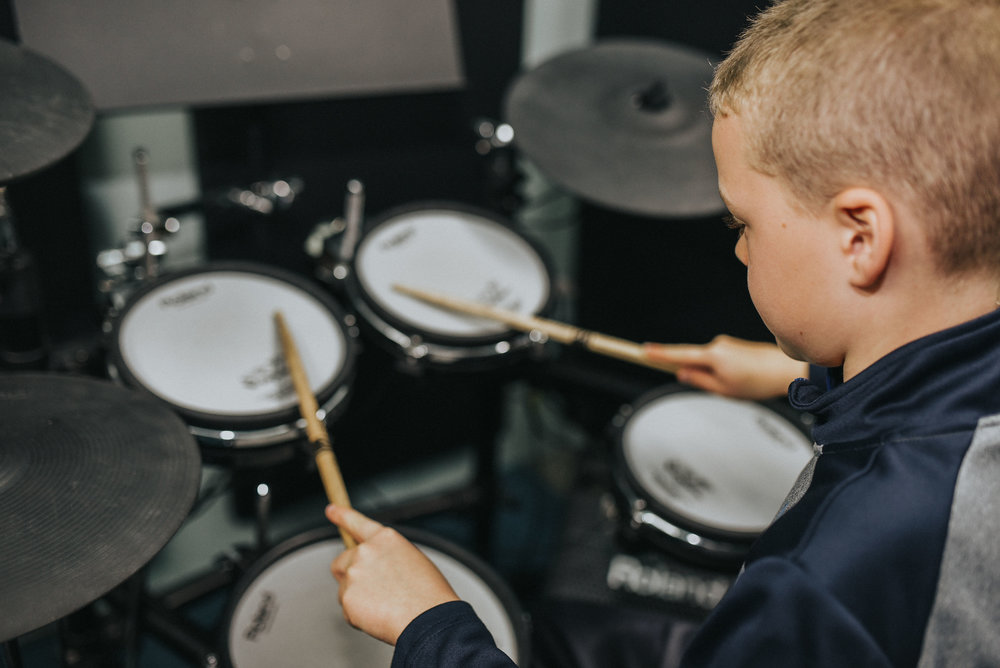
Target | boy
(857,146)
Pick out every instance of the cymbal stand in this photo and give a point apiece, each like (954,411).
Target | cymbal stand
(494,142)
(159,614)
(23,339)
(142,612)
(141,256)
(263,513)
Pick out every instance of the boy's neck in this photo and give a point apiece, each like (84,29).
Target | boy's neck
(925,310)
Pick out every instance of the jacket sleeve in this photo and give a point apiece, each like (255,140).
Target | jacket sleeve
(776,615)
(448,635)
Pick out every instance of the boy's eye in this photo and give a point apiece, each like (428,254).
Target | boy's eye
(734,223)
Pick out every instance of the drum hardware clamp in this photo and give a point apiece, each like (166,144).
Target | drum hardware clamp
(338,267)
(265,197)
(492,135)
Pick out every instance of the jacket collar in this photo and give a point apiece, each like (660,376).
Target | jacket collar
(942,382)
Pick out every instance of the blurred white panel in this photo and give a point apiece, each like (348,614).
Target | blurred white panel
(554,26)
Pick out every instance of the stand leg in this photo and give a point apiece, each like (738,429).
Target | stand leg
(486,479)
(12,654)
(263,515)
(133,591)
(178,633)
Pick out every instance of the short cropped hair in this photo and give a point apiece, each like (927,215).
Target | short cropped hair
(902,95)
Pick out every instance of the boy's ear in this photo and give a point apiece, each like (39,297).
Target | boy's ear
(867,227)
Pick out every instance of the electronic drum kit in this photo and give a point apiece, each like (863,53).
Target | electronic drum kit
(96,475)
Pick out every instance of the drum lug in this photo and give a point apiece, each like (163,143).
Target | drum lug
(621,417)
(416,348)
(537,341)
(638,508)
(341,271)
(609,508)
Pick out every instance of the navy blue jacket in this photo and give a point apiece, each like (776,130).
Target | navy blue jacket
(888,551)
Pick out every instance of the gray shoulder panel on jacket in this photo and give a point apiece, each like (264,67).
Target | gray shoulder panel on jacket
(962,628)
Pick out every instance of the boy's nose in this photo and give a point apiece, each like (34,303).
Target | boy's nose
(741,249)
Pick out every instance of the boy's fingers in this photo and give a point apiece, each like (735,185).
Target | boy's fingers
(341,563)
(704,380)
(358,525)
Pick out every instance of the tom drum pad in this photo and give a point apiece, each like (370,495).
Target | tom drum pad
(204,341)
(285,612)
(454,250)
(702,474)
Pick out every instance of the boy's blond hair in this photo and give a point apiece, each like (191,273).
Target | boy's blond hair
(901,95)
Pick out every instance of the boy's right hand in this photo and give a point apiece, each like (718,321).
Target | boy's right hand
(732,367)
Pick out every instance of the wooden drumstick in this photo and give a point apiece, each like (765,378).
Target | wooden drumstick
(602,344)
(329,471)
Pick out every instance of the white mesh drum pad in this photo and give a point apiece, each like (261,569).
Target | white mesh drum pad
(457,254)
(723,463)
(290,616)
(208,342)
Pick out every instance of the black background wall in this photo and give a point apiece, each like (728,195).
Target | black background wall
(641,278)
(407,148)
(663,279)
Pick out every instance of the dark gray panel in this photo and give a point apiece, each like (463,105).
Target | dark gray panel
(162,52)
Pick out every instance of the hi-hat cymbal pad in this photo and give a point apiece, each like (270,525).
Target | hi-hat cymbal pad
(94,480)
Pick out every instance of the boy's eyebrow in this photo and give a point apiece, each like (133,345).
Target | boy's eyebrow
(725,200)
(734,211)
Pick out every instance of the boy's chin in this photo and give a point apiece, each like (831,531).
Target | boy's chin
(793,351)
